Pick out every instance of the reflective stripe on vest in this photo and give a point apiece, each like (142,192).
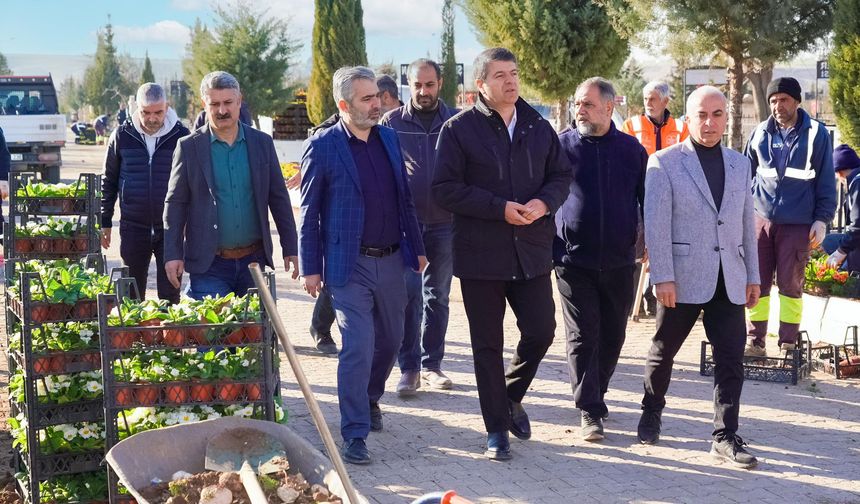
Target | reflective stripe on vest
(806,173)
(679,126)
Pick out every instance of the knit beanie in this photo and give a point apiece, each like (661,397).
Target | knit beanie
(844,158)
(787,85)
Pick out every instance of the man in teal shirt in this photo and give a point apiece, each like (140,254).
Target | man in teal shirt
(225,179)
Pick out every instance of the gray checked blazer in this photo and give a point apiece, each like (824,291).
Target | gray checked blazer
(687,238)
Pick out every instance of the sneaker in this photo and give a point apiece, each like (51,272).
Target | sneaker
(650,424)
(753,350)
(787,347)
(592,427)
(375,417)
(410,382)
(731,449)
(436,379)
(324,342)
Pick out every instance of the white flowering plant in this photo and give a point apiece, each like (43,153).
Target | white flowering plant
(64,438)
(61,388)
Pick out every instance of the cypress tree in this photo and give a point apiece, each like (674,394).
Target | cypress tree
(147,75)
(103,80)
(845,71)
(448,59)
(338,40)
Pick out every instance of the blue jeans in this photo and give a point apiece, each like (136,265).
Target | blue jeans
(370,312)
(427,308)
(225,276)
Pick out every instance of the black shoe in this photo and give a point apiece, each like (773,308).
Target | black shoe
(498,446)
(375,417)
(592,427)
(520,426)
(355,451)
(731,448)
(649,426)
(323,341)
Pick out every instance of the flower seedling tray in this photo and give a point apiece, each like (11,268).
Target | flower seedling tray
(840,361)
(787,368)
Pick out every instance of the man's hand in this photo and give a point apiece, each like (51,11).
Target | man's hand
(294,262)
(816,234)
(174,270)
(645,260)
(534,210)
(312,284)
(295,181)
(4,189)
(422,264)
(106,238)
(836,259)
(665,294)
(514,214)
(753,293)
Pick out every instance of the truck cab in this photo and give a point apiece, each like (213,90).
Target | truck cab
(35,131)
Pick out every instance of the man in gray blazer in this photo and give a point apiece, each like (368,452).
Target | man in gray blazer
(225,179)
(700,234)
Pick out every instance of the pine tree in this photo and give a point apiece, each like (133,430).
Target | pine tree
(104,84)
(338,40)
(253,47)
(4,66)
(147,75)
(448,59)
(845,71)
(558,43)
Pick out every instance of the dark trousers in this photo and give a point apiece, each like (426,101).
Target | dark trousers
(725,329)
(136,247)
(484,301)
(595,305)
(323,316)
(783,249)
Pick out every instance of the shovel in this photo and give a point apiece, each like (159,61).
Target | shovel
(246,451)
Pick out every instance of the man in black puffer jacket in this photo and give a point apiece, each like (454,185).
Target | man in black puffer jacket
(137,168)
(501,171)
(594,246)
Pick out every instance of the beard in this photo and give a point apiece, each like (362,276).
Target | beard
(364,120)
(586,128)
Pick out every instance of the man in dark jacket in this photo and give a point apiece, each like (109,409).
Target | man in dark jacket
(136,170)
(594,248)
(501,171)
(418,124)
(847,166)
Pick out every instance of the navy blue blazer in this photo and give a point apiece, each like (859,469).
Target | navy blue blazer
(333,206)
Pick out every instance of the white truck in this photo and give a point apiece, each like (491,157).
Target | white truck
(35,131)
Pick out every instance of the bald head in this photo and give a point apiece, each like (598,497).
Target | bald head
(707,115)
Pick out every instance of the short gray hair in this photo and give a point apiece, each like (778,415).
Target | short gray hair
(703,92)
(341,81)
(218,80)
(661,87)
(607,90)
(149,94)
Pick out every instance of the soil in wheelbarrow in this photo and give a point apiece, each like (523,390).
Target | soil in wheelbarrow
(209,486)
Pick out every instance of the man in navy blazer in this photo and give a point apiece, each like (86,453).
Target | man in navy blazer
(359,232)
(225,179)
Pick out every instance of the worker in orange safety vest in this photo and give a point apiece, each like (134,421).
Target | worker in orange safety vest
(656,129)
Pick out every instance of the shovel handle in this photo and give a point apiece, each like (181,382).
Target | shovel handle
(252,485)
(314,408)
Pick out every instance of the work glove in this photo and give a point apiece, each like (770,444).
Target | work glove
(816,234)
(4,189)
(836,259)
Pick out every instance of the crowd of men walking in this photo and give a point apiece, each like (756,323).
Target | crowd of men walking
(396,199)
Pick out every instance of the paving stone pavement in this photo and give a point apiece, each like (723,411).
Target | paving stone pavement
(807,438)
